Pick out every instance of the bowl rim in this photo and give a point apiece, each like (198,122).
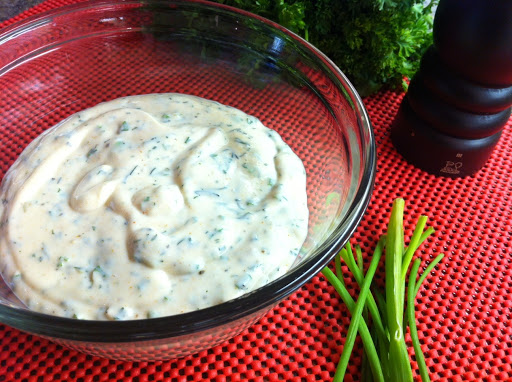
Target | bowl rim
(254,303)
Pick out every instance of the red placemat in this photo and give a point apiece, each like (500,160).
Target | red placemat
(463,311)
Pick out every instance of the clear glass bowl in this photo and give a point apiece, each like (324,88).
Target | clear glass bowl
(57,63)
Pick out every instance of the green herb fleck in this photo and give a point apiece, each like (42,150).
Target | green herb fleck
(125,126)
(249,169)
(61,261)
(100,271)
(92,151)
(133,170)
(239,141)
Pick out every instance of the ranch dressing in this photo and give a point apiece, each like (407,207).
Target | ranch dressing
(149,206)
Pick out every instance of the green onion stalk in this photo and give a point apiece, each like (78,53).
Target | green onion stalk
(381,319)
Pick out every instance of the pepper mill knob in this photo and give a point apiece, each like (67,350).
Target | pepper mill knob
(457,104)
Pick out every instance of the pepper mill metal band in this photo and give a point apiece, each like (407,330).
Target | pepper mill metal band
(460,100)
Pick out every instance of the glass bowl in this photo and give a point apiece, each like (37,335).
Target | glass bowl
(59,62)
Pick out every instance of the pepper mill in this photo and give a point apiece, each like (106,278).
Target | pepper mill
(459,101)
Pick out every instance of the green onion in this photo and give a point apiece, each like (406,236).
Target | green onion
(426,273)
(347,256)
(382,318)
(420,359)
(398,357)
(356,323)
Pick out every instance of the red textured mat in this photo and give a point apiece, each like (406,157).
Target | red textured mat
(463,314)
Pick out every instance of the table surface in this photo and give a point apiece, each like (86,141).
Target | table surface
(464,309)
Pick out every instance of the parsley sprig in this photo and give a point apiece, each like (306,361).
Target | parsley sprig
(385,350)
(376,43)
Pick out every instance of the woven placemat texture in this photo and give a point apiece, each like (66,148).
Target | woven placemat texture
(463,314)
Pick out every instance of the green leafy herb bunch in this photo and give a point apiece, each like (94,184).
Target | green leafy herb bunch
(376,43)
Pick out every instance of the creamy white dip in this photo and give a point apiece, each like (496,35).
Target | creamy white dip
(148,206)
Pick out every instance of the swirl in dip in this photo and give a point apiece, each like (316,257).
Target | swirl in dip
(148,206)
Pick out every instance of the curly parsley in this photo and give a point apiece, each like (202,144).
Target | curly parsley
(376,43)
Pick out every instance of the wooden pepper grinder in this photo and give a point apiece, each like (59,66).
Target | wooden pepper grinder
(460,100)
